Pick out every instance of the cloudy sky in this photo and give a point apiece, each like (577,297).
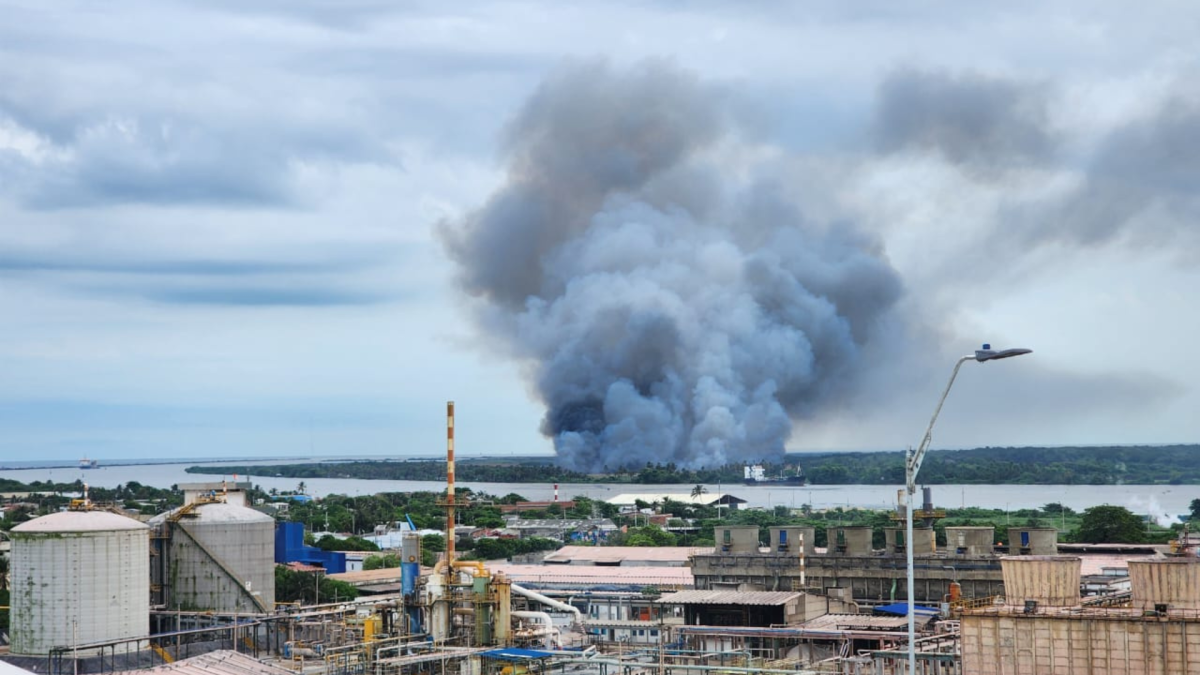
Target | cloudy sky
(248,229)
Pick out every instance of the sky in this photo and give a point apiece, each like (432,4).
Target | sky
(279,228)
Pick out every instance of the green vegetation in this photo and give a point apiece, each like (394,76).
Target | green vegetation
(48,497)
(309,587)
(378,562)
(1140,465)
(332,543)
(488,471)
(1111,525)
(496,549)
(1134,465)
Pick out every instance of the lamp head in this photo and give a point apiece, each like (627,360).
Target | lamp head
(989,354)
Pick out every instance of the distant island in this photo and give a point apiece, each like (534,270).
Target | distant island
(1140,465)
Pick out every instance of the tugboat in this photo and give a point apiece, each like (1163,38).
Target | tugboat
(755,474)
(86,463)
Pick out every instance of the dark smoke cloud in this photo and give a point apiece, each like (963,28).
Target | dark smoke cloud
(670,309)
(973,120)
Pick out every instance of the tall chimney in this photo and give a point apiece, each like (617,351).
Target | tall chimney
(450,487)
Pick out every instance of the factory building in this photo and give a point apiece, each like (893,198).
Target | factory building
(1044,627)
(78,577)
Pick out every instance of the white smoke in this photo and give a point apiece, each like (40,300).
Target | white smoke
(1150,507)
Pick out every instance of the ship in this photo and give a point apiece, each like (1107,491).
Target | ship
(86,463)
(755,474)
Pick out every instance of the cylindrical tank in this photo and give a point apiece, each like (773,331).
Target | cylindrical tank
(1171,582)
(737,538)
(793,540)
(1032,541)
(221,558)
(78,577)
(970,540)
(850,540)
(1051,581)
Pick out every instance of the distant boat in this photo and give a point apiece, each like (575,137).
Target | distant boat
(756,475)
(86,463)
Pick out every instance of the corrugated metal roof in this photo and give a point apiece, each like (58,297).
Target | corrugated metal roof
(213,663)
(80,521)
(863,622)
(615,554)
(729,597)
(675,577)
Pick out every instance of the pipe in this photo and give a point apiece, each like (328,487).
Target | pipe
(548,601)
(450,481)
(543,618)
(480,570)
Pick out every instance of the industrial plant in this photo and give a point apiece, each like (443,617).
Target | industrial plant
(194,590)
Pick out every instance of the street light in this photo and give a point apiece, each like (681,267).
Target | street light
(912,464)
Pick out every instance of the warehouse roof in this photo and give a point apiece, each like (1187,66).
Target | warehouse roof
(213,663)
(617,555)
(575,575)
(729,597)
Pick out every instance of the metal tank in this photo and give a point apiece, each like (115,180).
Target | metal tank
(1174,583)
(78,577)
(220,557)
(1041,580)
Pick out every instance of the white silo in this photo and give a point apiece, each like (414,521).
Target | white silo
(220,557)
(78,577)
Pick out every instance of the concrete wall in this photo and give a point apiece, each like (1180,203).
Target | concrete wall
(1050,581)
(736,538)
(1175,583)
(923,541)
(1100,644)
(1032,541)
(970,540)
(794,535)
(850,540)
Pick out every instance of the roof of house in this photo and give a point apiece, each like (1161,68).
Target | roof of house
(628,499)
(729,597)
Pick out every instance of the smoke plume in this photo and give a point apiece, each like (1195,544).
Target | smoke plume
(670,306)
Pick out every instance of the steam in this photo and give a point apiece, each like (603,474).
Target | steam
(1153,509)
(670,306)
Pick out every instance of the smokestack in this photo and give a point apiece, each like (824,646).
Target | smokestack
(556,493)
(450,487)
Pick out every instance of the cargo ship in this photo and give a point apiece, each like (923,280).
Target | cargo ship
(86,463)
(755,474)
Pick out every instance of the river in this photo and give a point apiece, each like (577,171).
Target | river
(1163,502)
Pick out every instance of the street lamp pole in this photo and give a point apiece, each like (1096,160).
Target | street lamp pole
(912,465)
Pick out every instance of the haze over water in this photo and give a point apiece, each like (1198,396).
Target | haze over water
(1157,500)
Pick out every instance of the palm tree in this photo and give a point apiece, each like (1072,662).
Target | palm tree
(698,492)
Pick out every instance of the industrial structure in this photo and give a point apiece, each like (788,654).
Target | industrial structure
(78,577)
(94,591)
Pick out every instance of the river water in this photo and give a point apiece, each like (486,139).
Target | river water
(1164,502)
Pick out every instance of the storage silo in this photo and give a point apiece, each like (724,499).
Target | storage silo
(78,577)
(218,557)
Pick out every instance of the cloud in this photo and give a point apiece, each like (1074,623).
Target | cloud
(974,120)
